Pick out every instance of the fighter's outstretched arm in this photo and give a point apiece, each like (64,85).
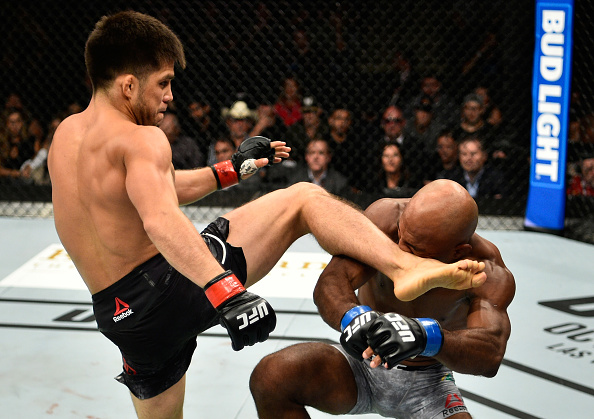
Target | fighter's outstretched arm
(193,185)
(150,186)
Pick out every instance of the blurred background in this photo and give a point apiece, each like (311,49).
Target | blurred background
(375,98)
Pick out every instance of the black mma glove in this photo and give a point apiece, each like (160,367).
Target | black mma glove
(229,172)
(354,325)
(247,317)
(396,338)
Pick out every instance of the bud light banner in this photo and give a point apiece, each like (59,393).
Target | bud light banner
(550,104)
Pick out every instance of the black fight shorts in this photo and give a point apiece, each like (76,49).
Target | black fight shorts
(153,315)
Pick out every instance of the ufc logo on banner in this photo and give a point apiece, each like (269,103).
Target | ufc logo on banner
(351,329)
(403,328)
(258,312)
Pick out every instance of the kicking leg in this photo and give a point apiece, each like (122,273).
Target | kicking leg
(266,227)
(306,374)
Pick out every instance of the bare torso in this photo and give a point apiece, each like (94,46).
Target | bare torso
(449,307)
(94,217)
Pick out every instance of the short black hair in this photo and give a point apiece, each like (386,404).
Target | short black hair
(130,42)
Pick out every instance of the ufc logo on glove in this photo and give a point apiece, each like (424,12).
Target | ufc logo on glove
(356,325)
(258,312)
(402,326)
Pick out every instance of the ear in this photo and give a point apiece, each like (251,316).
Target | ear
(462,251)
(128,85)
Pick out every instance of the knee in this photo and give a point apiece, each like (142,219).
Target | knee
(266,378)
(307,191)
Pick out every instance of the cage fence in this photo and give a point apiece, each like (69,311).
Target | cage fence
(353,64)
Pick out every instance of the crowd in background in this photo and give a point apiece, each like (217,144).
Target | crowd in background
(408,145)
(353,128)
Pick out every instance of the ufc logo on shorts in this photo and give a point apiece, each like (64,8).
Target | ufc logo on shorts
(258,312)
(399,324)
(351,329)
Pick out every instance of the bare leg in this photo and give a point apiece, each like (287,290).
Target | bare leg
(167,405)
(306,374)
(266,227)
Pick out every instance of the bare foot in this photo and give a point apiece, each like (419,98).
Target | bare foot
(429,274)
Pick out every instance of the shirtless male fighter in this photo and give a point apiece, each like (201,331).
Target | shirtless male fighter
(417,343)
(156,283)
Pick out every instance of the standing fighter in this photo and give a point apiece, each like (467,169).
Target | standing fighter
(154,281)
(417,343)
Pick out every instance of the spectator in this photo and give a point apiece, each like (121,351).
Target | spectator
(268,124)
(448,166)
(583,182)
(444,108)
(392,124)
(198,123)
(311,126)
(423,128)
(491,112)
(394,178)
(239,119)
(472,123)
(185,153)
(36,167)
(317,169)
(288,105)
(224,148)
(346,150)
(15,145)
(477,176)
(13,102)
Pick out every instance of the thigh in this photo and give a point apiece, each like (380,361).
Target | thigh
(308,374)
(266,227)
(167,405)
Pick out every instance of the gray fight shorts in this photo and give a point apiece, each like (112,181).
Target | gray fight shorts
(405,392)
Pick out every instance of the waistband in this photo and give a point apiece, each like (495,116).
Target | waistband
(417,367)
(153,261)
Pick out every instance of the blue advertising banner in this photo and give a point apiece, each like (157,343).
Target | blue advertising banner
(551,84)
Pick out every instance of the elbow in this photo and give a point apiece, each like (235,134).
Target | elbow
(491,366)
(491,372)
(317,295)
(153,226)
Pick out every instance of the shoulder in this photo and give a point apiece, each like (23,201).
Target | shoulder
(386,212)
(145,142)
(500,283)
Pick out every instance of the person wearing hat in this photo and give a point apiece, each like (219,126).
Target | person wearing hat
(239,119)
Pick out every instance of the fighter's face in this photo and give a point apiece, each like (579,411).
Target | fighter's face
(154,95)
(422,239)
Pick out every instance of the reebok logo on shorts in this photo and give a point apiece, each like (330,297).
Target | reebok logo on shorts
(122,310)
(454,404)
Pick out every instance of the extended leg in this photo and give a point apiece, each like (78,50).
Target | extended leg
(266,227)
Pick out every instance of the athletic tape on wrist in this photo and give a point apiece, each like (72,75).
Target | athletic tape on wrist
(225,174)
(222,287)
(351,314)
(434,336)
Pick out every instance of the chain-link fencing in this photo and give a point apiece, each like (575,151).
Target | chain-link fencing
(376,78)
